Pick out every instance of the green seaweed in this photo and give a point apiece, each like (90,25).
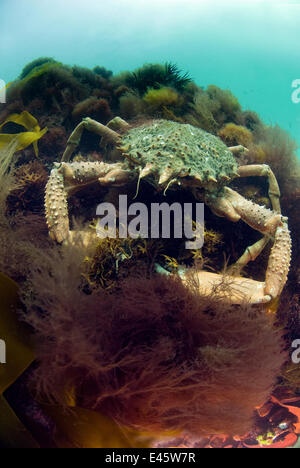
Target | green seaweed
(30,67)
(38,71)
(158,98)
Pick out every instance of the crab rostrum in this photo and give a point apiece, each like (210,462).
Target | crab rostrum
(171,155)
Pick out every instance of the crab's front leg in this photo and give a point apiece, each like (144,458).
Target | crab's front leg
(66,179)
(233,206)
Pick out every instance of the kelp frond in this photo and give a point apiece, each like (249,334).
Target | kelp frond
(24,139)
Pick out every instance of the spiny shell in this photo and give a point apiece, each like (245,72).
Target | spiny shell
(180,150)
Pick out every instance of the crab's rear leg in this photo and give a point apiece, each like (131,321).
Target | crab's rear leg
(263,170)
(66,179)
(250,254)
(109,135)
(260,170)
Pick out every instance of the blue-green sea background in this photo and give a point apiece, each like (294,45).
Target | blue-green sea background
(251,47)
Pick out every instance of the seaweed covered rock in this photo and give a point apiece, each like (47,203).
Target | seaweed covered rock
(37,63)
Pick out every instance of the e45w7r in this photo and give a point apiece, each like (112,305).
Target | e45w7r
(173,457)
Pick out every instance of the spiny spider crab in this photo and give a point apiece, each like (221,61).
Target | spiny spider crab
(168,155)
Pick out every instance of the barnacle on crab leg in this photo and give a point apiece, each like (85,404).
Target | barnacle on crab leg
(68,178)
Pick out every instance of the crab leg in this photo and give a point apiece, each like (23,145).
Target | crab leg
(250,254)
(258,217)
(56,206)
(279,262)
(271,224)
(68,178)
(238,149)
(264,170)
(109,135)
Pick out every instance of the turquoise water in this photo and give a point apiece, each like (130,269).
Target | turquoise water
(248,46)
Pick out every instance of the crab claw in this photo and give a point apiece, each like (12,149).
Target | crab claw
(231,289)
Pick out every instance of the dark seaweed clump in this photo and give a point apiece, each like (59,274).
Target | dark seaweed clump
(156,76)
